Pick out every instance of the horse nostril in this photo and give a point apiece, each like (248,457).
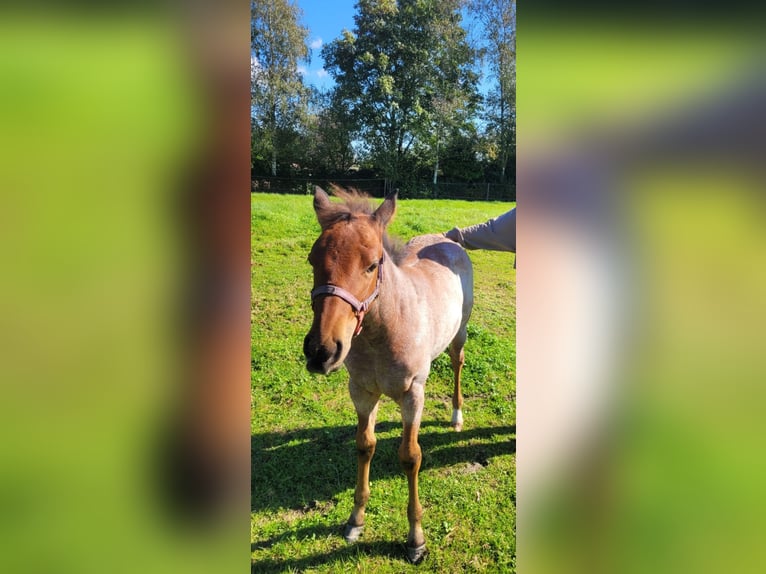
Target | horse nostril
(319,357)
(338,350)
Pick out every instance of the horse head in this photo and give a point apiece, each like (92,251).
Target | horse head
(347,261)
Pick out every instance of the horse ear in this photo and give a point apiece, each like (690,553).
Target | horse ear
(385,213)
(321,199)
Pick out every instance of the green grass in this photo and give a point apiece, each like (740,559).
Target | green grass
(303,452)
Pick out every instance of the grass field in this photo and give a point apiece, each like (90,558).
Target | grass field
(303,452)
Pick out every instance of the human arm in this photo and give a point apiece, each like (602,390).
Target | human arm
(497,234)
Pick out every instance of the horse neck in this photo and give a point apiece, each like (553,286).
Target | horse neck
(387,307)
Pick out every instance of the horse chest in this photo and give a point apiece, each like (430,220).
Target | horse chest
(385,367)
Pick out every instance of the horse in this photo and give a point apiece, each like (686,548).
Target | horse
(385,310)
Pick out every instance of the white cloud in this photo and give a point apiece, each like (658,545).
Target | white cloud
(316,44)
(321,73)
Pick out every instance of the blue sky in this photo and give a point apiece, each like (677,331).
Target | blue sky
(325,20)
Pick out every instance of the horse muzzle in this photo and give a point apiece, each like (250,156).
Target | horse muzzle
(322,359)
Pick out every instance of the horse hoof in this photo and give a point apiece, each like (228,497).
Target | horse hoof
(416,554)
(352,533)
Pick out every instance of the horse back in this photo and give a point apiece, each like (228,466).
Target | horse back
(439,255)
(445,269)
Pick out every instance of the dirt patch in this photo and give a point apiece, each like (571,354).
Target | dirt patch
(472,467)
(322,508)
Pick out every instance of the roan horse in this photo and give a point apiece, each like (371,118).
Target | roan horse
(386,312)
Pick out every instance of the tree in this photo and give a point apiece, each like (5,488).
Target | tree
(329,135)
(498,18)
(391,73)
(278,96)
(455,101)
(460,162)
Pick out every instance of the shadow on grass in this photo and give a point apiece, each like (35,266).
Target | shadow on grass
(305,470)
(302,468)
(348,552)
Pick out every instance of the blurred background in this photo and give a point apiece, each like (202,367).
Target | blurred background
(640,297)
(124,303)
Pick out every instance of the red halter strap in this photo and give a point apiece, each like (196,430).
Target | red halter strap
(360,307)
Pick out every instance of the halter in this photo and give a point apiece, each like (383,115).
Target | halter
(360,307)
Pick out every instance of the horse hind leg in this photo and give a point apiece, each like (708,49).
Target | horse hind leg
(366,406)
(457,358)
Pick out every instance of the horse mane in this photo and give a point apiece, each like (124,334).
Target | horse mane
(354,202)
(395,248)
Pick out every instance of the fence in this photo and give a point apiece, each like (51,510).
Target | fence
(305,186)
(380,187)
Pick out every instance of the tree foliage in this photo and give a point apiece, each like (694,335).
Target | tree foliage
(498,18)
(405,105)
(278,96)
(404,68)
(329,135)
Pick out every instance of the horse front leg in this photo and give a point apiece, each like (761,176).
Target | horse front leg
(366,405)
(410,458)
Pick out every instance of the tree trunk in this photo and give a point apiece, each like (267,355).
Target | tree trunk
(273,162)
(502,169)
